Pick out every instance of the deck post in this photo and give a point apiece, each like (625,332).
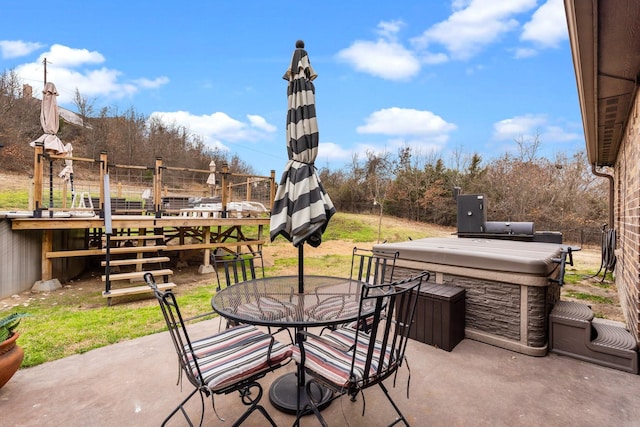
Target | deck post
(157,187)
(103,172)
(272,188)
(38,172)
(225,188)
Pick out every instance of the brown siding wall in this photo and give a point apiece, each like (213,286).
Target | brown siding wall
(627,221)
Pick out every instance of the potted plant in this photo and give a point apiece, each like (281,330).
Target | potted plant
(11,354)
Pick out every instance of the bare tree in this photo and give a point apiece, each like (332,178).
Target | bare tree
(84,106)
(528,148)
(378,178)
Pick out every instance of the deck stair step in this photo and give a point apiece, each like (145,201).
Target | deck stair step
(612,336)
(132,290)
(136,261)
(135,249)
(134,237)
(133,275)
(574,332)
(133,255)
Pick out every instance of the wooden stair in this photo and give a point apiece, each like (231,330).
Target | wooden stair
(575,332)
(132,255)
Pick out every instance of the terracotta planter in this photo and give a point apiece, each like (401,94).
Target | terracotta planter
(11,356)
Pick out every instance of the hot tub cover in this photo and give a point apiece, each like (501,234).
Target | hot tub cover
(486,254)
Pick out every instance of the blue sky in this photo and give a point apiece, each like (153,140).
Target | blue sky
(444,77)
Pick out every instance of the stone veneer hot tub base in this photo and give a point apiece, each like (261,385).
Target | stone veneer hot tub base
(509,309)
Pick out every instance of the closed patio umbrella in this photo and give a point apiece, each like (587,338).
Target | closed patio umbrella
(301,208)
(211,179)
(50,121)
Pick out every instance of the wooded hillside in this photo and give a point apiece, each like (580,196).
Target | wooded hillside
(559,194)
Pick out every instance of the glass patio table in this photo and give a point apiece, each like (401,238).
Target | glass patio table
(274,302)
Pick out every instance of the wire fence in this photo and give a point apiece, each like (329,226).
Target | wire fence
(160,189)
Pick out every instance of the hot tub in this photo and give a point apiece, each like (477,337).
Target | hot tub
(510,285)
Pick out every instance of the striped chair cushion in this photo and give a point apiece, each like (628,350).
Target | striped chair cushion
(333,308)
(266,309)
(235,354)
(364,325)
(333,362)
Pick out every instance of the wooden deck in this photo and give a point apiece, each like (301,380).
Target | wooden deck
(181,233)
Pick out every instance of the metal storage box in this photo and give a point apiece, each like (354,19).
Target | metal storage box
(471,213)
(439,318)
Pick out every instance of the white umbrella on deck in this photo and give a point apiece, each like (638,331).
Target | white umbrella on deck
(211,179)
(50,121)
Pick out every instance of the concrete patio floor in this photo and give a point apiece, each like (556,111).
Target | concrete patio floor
(133,383)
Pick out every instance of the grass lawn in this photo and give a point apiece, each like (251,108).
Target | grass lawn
(76,318)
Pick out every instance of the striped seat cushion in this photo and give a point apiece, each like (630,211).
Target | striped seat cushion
(363,325)
(236,354)
(333,362)
(266,309)
(334,307)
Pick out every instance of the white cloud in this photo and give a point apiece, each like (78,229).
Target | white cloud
(473,25)
(385,58)
(434,58)
(151,84)
(68,57)
(388,30)
(71,68)
(525,52)
(406,121)
(382,59)
(260,123)
(548,25)
(219,129)
(559,134)
(531,125)
(330,151)
(423,131)
(17,48)
(519,126)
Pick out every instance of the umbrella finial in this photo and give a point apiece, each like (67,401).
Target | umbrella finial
(299,44)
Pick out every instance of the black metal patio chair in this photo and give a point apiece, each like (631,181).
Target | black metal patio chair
(238,267)
(229,361)
(373,266)
(348,360)
(367,266)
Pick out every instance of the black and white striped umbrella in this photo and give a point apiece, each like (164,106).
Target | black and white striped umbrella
(302,208)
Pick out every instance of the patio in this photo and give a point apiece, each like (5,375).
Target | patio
(133,384)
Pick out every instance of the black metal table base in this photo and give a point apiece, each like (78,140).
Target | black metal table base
(283,394)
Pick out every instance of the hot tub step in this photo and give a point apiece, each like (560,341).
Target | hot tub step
(574,332)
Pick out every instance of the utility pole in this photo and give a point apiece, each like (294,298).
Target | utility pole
(44,61)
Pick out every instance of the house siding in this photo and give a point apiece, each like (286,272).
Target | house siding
(627,221)
(21,257)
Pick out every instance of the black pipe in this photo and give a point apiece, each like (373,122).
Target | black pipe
(611,192)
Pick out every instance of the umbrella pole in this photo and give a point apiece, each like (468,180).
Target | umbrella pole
(301,268)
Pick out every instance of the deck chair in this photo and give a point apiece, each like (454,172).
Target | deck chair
(241,267)
(229,361)
(238,267)
(373,266)
(348,360)
(368,266)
